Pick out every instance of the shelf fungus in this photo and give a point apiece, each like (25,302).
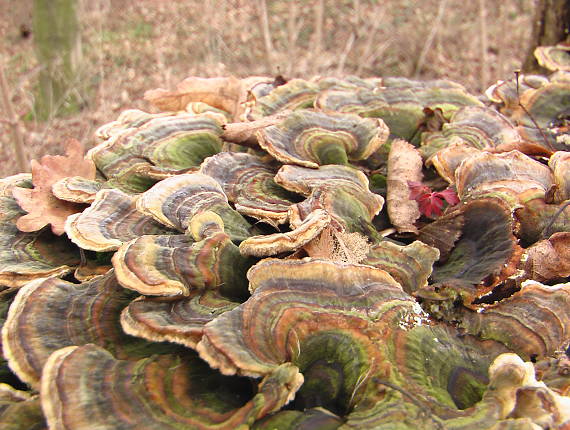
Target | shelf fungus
(506,94)
(341,191)
(137,157)
(534,322)
(507,176)
(249,183)
(301,311)
(554,57)
(478,127)
(485,254)
(409,265)
(174,201)
(400,105)
(560,164)
(545,111)
(111,220)
(48,314)
(175,319)
(169,315)
(311,139)
(20,410)
(177,265)
(167,391)
(77,189)
(295,94)
(273,244)
(42,206)
(539,220)
(28,256)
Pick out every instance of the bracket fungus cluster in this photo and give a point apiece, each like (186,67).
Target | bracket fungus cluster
(269,254)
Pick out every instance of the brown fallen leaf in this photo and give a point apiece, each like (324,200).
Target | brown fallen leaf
(226,93)
(404,165)
(549,259)
(42,206)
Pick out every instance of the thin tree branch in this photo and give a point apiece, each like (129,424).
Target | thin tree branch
(431,37)
(264,21)
(18,141)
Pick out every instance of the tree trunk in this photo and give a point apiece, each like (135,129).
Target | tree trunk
(551,26)
(58,49)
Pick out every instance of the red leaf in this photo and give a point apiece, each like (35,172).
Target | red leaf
(417,190)
(449,195)
(430,204)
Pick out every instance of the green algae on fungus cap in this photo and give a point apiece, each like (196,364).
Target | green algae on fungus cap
(174,265)
(478,127)
(19,410)
(167,391)
(48,314)
(507,175)
(400,106)
(175,319)
(311,139)
(174,201)
(295,94)
(156,148)
(409,265)
(293,301)
(111,220)
(248,182)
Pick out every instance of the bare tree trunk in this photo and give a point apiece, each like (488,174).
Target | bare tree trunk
(58,49)
(551,26)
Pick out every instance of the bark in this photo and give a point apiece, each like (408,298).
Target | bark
(58,49)
(551,26)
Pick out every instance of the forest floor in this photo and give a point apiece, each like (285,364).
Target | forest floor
(130,46)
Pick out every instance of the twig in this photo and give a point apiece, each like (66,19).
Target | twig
(292,35)
(319,18)
(517,74)
(546,230)
(431,37)
(345,53)
(13,121)
(367,57)
(484,45)
(264,21)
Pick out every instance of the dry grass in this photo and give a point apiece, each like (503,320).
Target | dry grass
(134,45)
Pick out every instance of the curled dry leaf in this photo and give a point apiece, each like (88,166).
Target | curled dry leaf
(549,259)
(226,93)
(42,206)
(404,165)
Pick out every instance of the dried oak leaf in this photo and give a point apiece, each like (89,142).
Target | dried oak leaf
(226,93)
(42,206)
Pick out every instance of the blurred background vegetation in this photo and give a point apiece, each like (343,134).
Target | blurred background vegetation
(129,46)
